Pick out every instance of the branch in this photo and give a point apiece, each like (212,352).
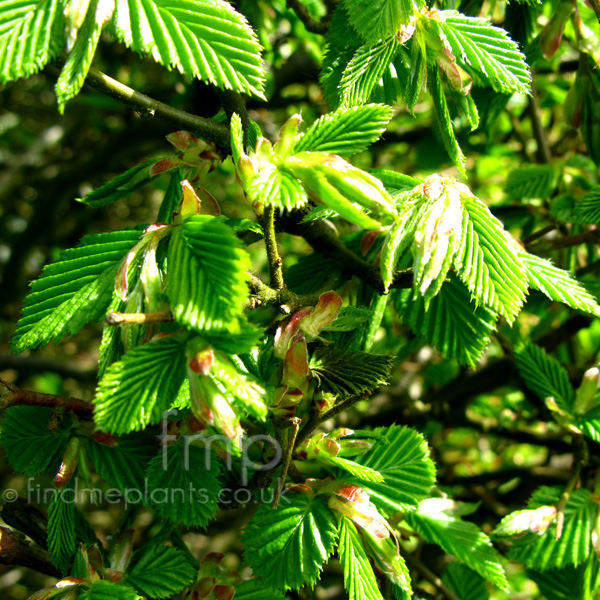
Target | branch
(232,102)
(320,27)
(119,319)
(201,126)
(273,258)
(11,395)
(588,237)
(15,550)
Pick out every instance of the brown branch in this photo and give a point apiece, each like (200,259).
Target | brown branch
(16,550)
(11,395)
(588,237)
(205,128)
(320,27)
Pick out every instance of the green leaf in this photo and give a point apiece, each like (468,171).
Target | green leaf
(486,52)
(346,131)
(61,527)
(587,210)
(359,580)
(360,471)
(32,445)
(107,590)
(208,271)
(376,19)
(349,318)
(544,375)
(365,70)
(462,539)
(31,34)
(183,483)
(172,198)
(531,181)
(487,264)
(287,547)
(566,583)
(395,182)
(137,389)
(453,323)
(277,187)
(206,39)
(73,74)
(123,466)
(404,462)
(73,291)
(443,119)
(254,589)
(347,373)
(465,583)
(557,284)
(159,571)
(541,552)
(121,186)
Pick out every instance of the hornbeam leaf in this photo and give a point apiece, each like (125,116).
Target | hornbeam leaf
(206,39)
(404,462)
(395,182)
(62,538)
(287,547)
(485,52)
(159,571)
(364,71)
(465,583)
(31,34)
(443,119)
(107,590)
(31,446)
(254,589)
(137,389)
(557,284)
(347,373)
(487,264)
(359,579)
(453,324)
(587,210)
(376,19)
(566,583)
(73,74)
(346,131)
(208,270)
(542,552)
(121,186)
(531,181)
(545,376)
(74,290)
(462,539)
(183,483)
(277,187)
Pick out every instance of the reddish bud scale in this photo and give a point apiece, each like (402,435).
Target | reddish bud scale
(69,463)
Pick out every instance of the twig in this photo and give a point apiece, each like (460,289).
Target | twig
(118,319)
(287,454)
(273,258)
(414,563)
(15,550)
(588,237)
(205,128)
(232,102)
(11,395)
(579,458)
(543,149)
(538,234)
(320,27)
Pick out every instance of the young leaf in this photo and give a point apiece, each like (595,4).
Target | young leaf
(359,580)
(254,589)
(587,210)
(61,527)
(486,52)
(544,375)
(137,389)
(395,182)
(73,74)
(349,318)
(487,264)
(532,181)
(376,19)
(277,187)
(453,324)
(404,462)
(465,583)
(541,552)
(563,584)
(183,483)
(462,539)
(557,284)
(121,186)
(73,291)
(31,445)
(365,70)
(107,590)
(346,131)
(159,571)
(208,270)
(347,373)
(31,34)
(207,39)
(286,548)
